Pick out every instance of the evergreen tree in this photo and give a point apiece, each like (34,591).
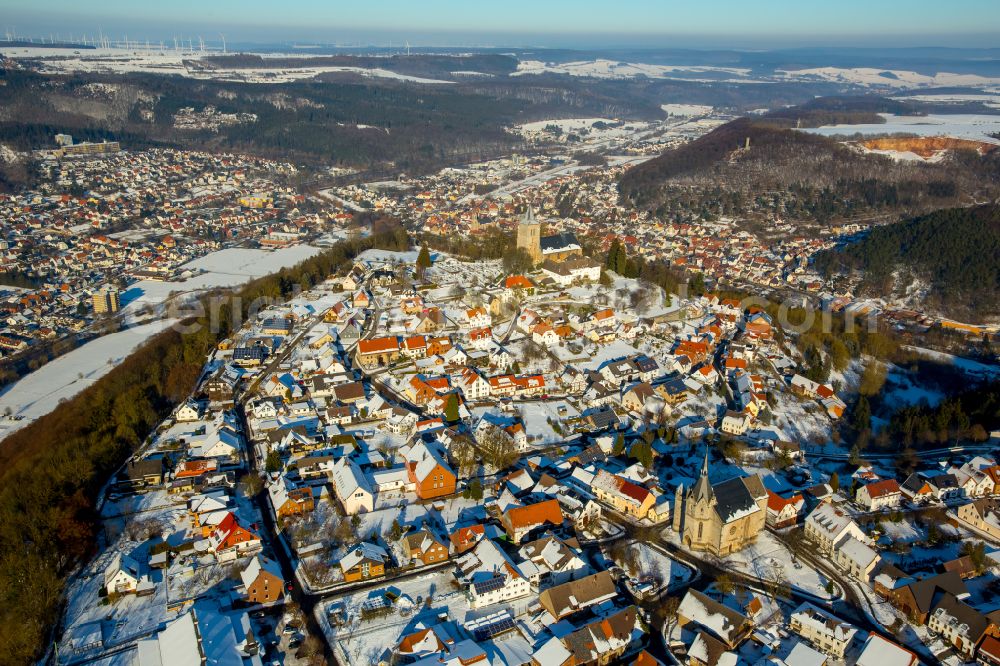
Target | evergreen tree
(273,462)
(424,258)
(451,408)
(862,414)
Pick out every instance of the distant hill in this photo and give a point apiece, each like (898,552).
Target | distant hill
(759,168)
(955,251)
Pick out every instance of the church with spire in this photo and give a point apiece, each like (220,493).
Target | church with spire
(721,518)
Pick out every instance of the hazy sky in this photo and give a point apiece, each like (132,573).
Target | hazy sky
(523,22)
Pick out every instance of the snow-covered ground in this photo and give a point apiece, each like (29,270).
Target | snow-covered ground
(870,76)
(686,109)
(612,69)
(768,559)
(39,393)
(156,60)
(987,99)
(982,370)
(224,268)
(655,565)
(976,127)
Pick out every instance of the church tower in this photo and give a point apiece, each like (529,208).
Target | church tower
(699,512)
(529,235)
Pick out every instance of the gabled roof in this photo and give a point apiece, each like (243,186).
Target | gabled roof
(540,513)
(564,600)
(363,552)
(724,622)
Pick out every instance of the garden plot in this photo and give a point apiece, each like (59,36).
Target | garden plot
(800,420)
(155,500)
(368,634)
(120,622)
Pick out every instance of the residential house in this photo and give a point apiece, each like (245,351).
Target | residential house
(351,487)
(623,495)
(724,623)
(424,547)
(519,521)
(878,651)
(601,641)
(263,582)
(378,351)
(829,524)
(289,501)
(552,560)
(230,540)
(363,562)
(784,512)
(961,625)
(879,495)
(429,473)
(826,632)
(123,576)
(564,600)
(983,515)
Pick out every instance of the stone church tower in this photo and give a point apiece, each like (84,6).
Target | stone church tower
(701,526)
(529,235)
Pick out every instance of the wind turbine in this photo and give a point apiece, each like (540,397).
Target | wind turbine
(223,43)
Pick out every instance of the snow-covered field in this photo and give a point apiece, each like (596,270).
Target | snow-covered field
(169,61)
(976,127)
(954,98)
(611,69)
(686,110)
(870,76)
(39,393)
(224,268)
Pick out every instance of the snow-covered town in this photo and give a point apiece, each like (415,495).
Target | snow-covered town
(517,334)
(111,230)
(430,460)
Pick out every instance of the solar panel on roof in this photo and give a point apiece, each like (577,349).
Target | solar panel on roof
(490,585)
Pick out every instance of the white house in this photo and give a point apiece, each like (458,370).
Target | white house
(478,317)
(492,576)
(829,524)
(221,442)
(122,576)
(735,423)
(544,335)
(857,558)
(351,487)
(473,385)
(189,411)
(879,495)
(827,632)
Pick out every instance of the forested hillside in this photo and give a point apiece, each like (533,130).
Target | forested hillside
(956,251)
(755,168)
